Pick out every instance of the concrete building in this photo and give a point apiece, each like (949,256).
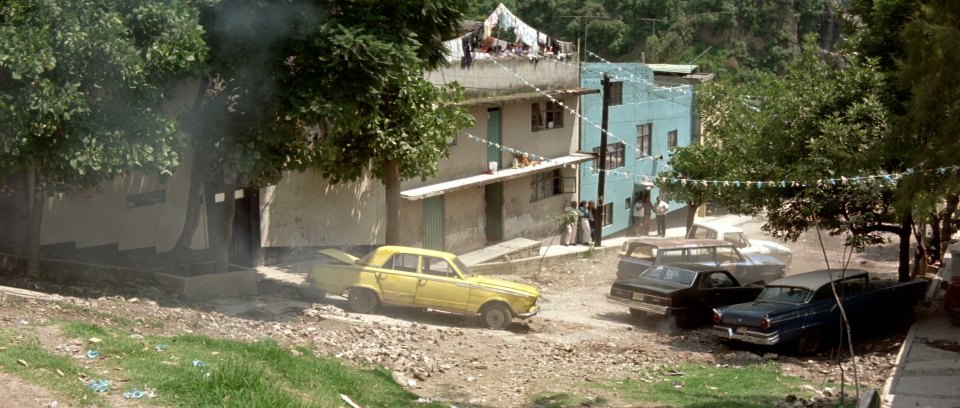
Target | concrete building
(484,192)
(646,121)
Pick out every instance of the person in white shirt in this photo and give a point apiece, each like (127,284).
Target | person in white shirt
(661,209)
(638,210)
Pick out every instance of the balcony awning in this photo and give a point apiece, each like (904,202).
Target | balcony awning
(432,190)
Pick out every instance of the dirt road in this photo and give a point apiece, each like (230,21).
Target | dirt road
(579,338)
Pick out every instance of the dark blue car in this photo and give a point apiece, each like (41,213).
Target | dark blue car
(801,310)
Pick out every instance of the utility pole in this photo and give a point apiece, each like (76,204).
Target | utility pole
(602,161)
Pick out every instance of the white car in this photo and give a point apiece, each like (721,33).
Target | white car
(735,236)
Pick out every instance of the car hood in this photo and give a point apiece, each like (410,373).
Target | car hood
(750,313)
(340,256)
(504,285)
(775,247)
(765,260)
(648,286)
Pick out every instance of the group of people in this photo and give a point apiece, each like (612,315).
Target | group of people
(579,223)
(642,211)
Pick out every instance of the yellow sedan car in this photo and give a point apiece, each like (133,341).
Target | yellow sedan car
(423,278)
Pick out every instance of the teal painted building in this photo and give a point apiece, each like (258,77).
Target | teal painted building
(645,123)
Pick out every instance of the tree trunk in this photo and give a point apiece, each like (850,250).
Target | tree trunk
(935,239)
(946,221)
(691,215)
(903,270)
(192,218)
(220,221)
(198,170)
(35,223)
(392,186)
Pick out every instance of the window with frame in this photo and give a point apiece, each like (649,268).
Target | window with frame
(438,267)
(644,143)
(402,262)
(616,156)
(608,214)
(671,140)
(616,93)
(545,114)
(546,185)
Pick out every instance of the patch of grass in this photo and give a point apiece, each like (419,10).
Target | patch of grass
(236,373)
(760,385)
(120,320)
(42,367)
(565,400)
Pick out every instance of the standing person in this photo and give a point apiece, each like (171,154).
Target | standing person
(638,212)
(568,235)
(592,209)
(584,224)
(661,208)
(647,214)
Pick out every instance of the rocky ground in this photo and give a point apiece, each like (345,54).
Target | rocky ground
(578,339)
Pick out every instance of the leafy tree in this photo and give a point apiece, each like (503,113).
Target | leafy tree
(692,166)
(80,82)
(927,131)
(338,86)
(798,134)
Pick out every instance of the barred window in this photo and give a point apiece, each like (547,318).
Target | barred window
(545,115)
(545,185)
(643,140)
(616,155)
(671,140)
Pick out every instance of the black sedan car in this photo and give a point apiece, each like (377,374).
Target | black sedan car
(686,291)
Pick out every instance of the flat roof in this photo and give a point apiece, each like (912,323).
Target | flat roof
(433,190)
(673,68)
(813,280)
(527,96)
(667,243)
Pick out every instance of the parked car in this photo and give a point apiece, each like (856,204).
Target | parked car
(687,292)
(800,310)
(735,236)
(423,278)
(638,254)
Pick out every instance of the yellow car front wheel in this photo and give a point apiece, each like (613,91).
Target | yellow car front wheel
(496,316)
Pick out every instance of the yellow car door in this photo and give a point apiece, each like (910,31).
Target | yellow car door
(440,286)
(398,279)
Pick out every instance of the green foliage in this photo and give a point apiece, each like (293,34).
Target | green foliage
(759,385)
(80,84)
(740,34)
(295,85)
(695,162)
(928,132)
(261,373)
(810,124)
(42,366)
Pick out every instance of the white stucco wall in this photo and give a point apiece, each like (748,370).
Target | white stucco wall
(99,216)
(303,209)
(464,220)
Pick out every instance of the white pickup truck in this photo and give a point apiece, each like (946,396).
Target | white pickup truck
(735,236)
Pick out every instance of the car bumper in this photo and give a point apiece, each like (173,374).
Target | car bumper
(530,313)
(747,336)
(646,307)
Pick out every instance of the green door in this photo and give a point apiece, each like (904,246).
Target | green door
(433,223)
(494,135)
(493,203)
